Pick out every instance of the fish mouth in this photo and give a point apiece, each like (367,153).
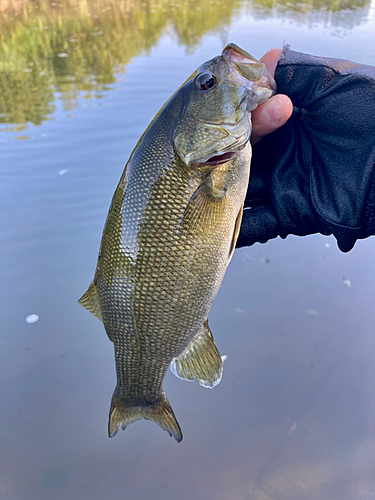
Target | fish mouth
(233,52)
(247,71)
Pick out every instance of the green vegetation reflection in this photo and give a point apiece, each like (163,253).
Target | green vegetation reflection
(75,47)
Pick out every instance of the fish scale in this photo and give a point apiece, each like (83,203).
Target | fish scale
(170,234)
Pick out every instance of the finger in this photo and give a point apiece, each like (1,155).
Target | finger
(271,115)
(259,224)
(262,164)
(271,58)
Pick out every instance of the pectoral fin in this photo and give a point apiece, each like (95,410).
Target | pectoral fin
(204,205)
(90,301)
(200,360)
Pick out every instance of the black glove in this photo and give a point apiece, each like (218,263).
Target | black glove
(316,173)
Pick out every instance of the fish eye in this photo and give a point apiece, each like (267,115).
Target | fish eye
(206,81)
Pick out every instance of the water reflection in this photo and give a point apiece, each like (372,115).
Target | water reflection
(76,47)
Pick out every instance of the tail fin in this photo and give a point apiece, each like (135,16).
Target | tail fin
(121,415)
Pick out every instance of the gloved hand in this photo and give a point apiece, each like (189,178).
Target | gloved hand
(315,174)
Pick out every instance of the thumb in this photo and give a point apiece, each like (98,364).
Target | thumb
(270,116)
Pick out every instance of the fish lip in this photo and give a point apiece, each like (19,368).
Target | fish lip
(239,60)
(233,52)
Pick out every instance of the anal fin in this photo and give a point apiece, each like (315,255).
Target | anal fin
(90,301)
(200,360)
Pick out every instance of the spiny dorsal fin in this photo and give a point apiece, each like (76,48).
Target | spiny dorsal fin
(90,301)
(200,360)
(121,415)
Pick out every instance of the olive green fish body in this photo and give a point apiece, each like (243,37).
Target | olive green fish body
(168,239)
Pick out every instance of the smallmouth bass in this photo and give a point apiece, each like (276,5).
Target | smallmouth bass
(170,234)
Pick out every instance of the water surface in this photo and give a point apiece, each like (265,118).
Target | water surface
(294,414)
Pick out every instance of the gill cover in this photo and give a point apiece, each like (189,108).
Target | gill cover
(219,95)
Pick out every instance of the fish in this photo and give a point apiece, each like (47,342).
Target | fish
(170,234)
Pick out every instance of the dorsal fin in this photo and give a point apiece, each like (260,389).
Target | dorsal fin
(200,360)
(90,300)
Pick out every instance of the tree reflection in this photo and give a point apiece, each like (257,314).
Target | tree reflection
(77,46)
